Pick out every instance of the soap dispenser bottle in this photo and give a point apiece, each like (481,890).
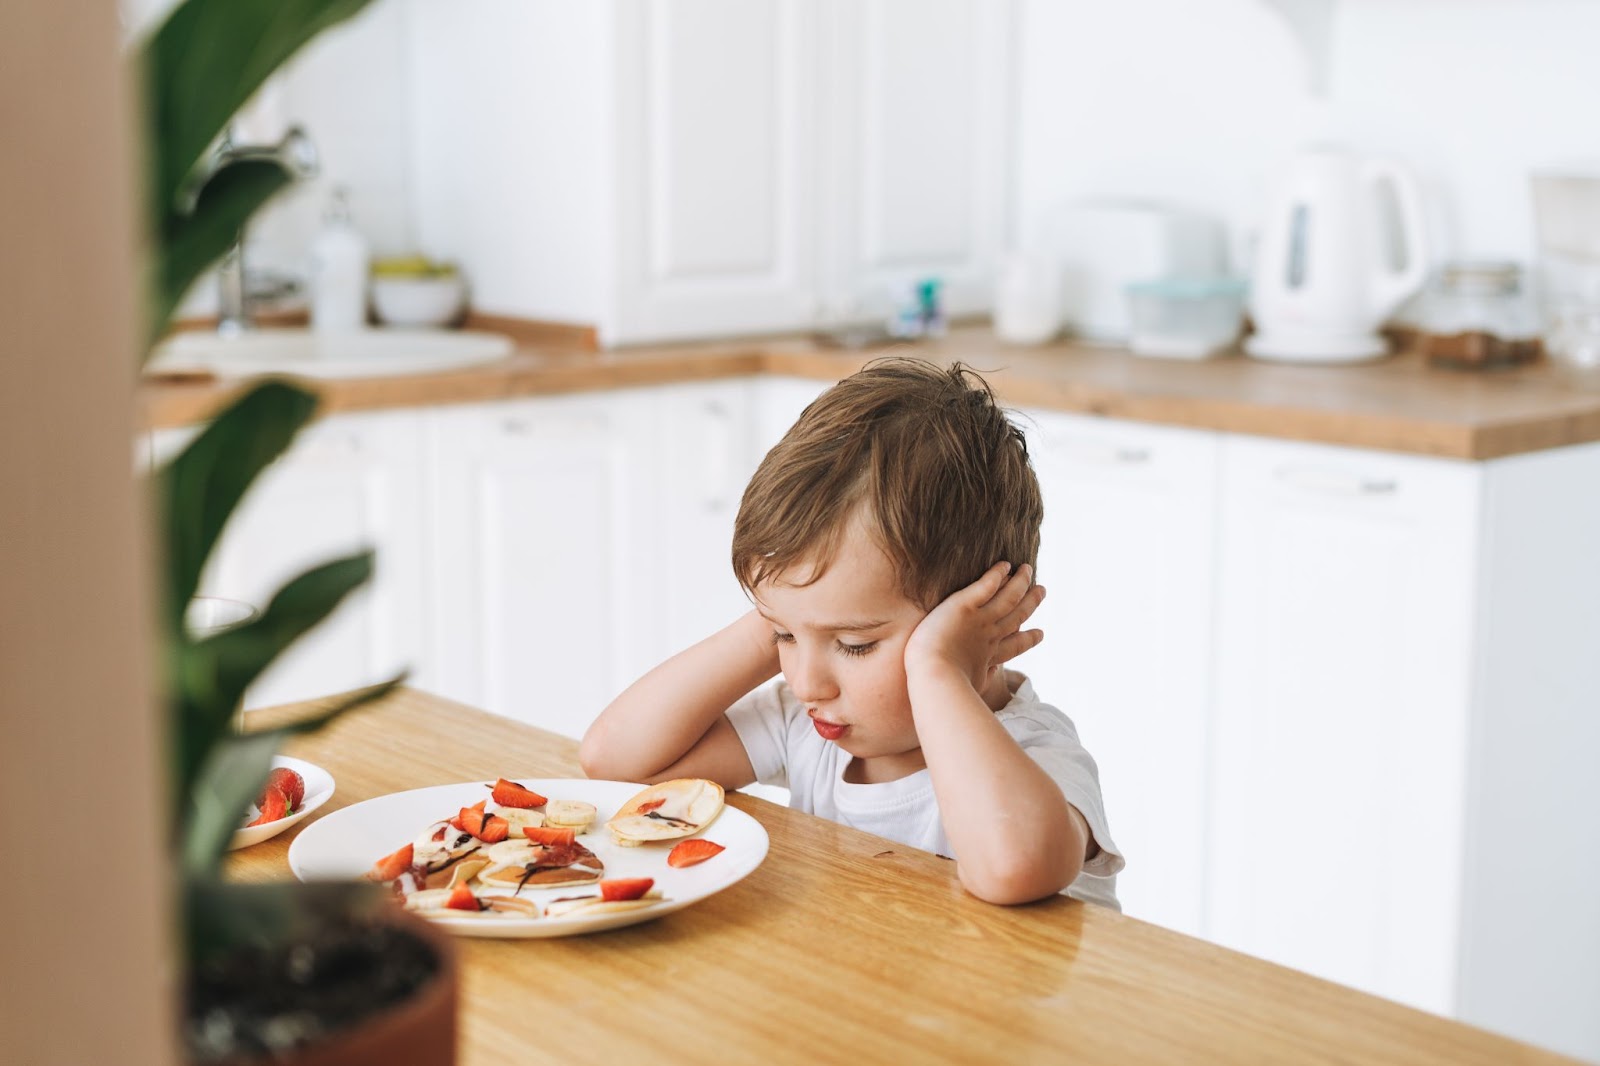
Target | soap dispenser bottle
(339,263)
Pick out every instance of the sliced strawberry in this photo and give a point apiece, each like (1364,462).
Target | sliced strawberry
(646,808)
(392,865)
(274,805)
(439,834)
(510,794)
(691,852)
(285,780)
(457,821)
(540,834)
(462,899)
(489,828)
(626,888)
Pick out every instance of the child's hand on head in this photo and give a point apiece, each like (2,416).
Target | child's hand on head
(978,628)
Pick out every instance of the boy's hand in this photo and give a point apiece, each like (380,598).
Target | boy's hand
(978,628)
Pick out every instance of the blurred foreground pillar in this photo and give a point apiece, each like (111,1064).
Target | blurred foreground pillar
(86,972)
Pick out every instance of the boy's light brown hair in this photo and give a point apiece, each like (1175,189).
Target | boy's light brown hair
(940,473)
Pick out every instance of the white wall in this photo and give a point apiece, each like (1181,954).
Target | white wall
(352,91)
(510,106)
(1193,101)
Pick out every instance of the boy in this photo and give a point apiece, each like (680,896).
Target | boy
(888,543)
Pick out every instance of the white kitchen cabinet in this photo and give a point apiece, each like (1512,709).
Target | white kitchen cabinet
(1402,787)
(581,540)
(538,517)
(349,482)
(703,460)
(913,150)
(1126,558)
(1344,649)
(691,168)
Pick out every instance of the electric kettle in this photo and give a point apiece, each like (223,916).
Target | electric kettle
(1325,278)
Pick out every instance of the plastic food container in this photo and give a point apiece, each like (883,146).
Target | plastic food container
(1185,318)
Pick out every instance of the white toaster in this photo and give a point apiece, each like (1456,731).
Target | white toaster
(1103,245)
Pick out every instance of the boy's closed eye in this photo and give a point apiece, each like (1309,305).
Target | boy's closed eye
(843,647)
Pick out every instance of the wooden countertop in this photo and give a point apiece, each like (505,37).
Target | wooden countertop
(1398,404)
(845,946)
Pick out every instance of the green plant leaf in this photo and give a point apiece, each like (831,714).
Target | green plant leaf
(201,486)
(203,64)
(214,673)
(191,243)
(230,779)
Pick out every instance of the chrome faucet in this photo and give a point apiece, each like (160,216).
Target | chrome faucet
(238,291)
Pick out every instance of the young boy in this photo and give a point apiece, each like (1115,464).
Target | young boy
(888,544)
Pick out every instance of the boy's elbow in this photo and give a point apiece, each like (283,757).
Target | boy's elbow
(1010,883)
(593,757)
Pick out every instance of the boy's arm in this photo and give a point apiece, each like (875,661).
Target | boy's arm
(1015,836)
(670,722)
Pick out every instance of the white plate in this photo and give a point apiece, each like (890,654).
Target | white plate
(346,843)
(319,787)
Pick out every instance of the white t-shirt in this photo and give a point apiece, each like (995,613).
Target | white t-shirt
(786,750)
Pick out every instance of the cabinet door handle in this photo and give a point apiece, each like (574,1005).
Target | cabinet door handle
(1103,452)
(717,470)
(334,446)
(1336,482)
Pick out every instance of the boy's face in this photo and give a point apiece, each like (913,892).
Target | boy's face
(841,644)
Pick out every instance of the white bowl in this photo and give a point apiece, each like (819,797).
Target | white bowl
(418,301)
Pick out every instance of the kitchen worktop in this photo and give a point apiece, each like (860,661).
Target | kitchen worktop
(847,946)
(1397,404)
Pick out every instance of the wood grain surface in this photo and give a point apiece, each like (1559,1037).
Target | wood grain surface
(845,947)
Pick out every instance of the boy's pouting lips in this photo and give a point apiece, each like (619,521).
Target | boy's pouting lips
(841,645)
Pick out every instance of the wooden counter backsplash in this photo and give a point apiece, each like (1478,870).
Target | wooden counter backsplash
(1398,404)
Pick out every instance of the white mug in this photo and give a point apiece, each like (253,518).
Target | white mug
(1027,300)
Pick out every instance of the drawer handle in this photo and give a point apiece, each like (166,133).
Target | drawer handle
(1336,482)
(1103,453)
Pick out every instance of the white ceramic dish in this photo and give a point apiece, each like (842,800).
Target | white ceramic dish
(435,301)
(319,788)
(346,843)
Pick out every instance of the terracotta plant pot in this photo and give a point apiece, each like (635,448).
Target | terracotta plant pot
(418,1029)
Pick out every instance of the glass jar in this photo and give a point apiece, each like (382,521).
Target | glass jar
(1479,315)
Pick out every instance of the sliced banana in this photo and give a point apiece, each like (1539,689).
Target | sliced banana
(428,899)
(569,814)
(517,817)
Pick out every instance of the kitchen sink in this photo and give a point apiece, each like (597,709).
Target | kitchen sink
(365,353)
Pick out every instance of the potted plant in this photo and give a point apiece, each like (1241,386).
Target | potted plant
(309,974)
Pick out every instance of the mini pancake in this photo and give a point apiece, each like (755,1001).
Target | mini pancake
(591,905)
(432,901)
(518,863)
(667,811)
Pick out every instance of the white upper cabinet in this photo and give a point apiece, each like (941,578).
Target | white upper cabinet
(1126,558)
(690,168)
(913,149)
(715,205)
(1347,590)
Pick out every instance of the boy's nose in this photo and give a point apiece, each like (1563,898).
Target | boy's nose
(809,677)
